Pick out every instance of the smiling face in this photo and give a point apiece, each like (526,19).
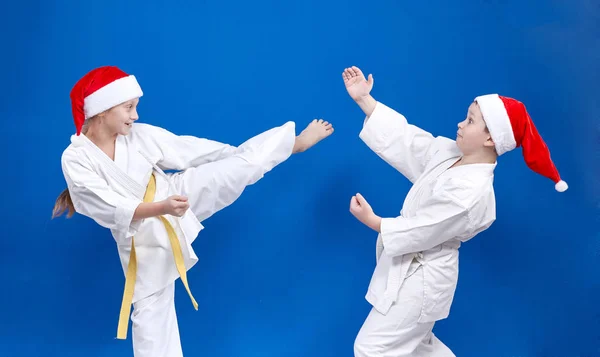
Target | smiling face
(472,135)
(119,118)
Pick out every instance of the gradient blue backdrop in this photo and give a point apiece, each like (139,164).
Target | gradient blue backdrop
(283,272)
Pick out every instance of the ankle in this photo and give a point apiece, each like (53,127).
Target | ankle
(299,145)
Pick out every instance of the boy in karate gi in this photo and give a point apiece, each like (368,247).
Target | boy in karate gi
(450,202)
(114,173)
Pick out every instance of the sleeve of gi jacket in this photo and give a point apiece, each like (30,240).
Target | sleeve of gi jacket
(93,198)
(442,218)
(404,146)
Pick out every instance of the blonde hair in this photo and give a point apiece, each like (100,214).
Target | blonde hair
(64,203)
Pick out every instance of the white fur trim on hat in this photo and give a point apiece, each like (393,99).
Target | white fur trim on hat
(112,94)
(561,186)
(498,122)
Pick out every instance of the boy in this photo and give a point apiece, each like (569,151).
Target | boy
(451,201)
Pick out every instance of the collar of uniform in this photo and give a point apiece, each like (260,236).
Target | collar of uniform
(487,169)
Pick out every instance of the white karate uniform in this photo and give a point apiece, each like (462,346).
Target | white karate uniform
(416,274)
(212,175)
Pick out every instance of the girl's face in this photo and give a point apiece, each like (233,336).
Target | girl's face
(119,119)
(472,135)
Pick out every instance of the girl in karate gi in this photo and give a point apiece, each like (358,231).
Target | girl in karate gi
(114,174)
(451,201)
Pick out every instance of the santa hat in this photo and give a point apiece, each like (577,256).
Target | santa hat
(510,127)
(100,90)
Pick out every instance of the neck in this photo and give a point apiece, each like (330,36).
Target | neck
(485,157)
(102,138)
(100,135)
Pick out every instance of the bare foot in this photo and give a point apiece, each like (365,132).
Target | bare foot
(316,131)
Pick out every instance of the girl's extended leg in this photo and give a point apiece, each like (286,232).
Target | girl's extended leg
(214,186)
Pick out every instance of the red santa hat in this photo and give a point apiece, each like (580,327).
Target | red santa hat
(510,127)
(99,90)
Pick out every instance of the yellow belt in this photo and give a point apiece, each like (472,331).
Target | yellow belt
(132,267)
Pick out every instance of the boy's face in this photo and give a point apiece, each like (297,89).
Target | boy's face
(472,135)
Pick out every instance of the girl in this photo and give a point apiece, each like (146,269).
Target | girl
(114,174)
(451,201)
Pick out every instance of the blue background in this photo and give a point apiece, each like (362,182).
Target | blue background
(284,270)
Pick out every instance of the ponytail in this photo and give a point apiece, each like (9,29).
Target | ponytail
(63,203)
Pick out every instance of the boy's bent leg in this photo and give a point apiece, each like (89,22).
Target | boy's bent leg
(155,332)
(383,335)
(432,346)
(397,333)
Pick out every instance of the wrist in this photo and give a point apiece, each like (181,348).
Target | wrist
(363,99)
(161,208)
(367,103)
(149,209)
(374,222)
